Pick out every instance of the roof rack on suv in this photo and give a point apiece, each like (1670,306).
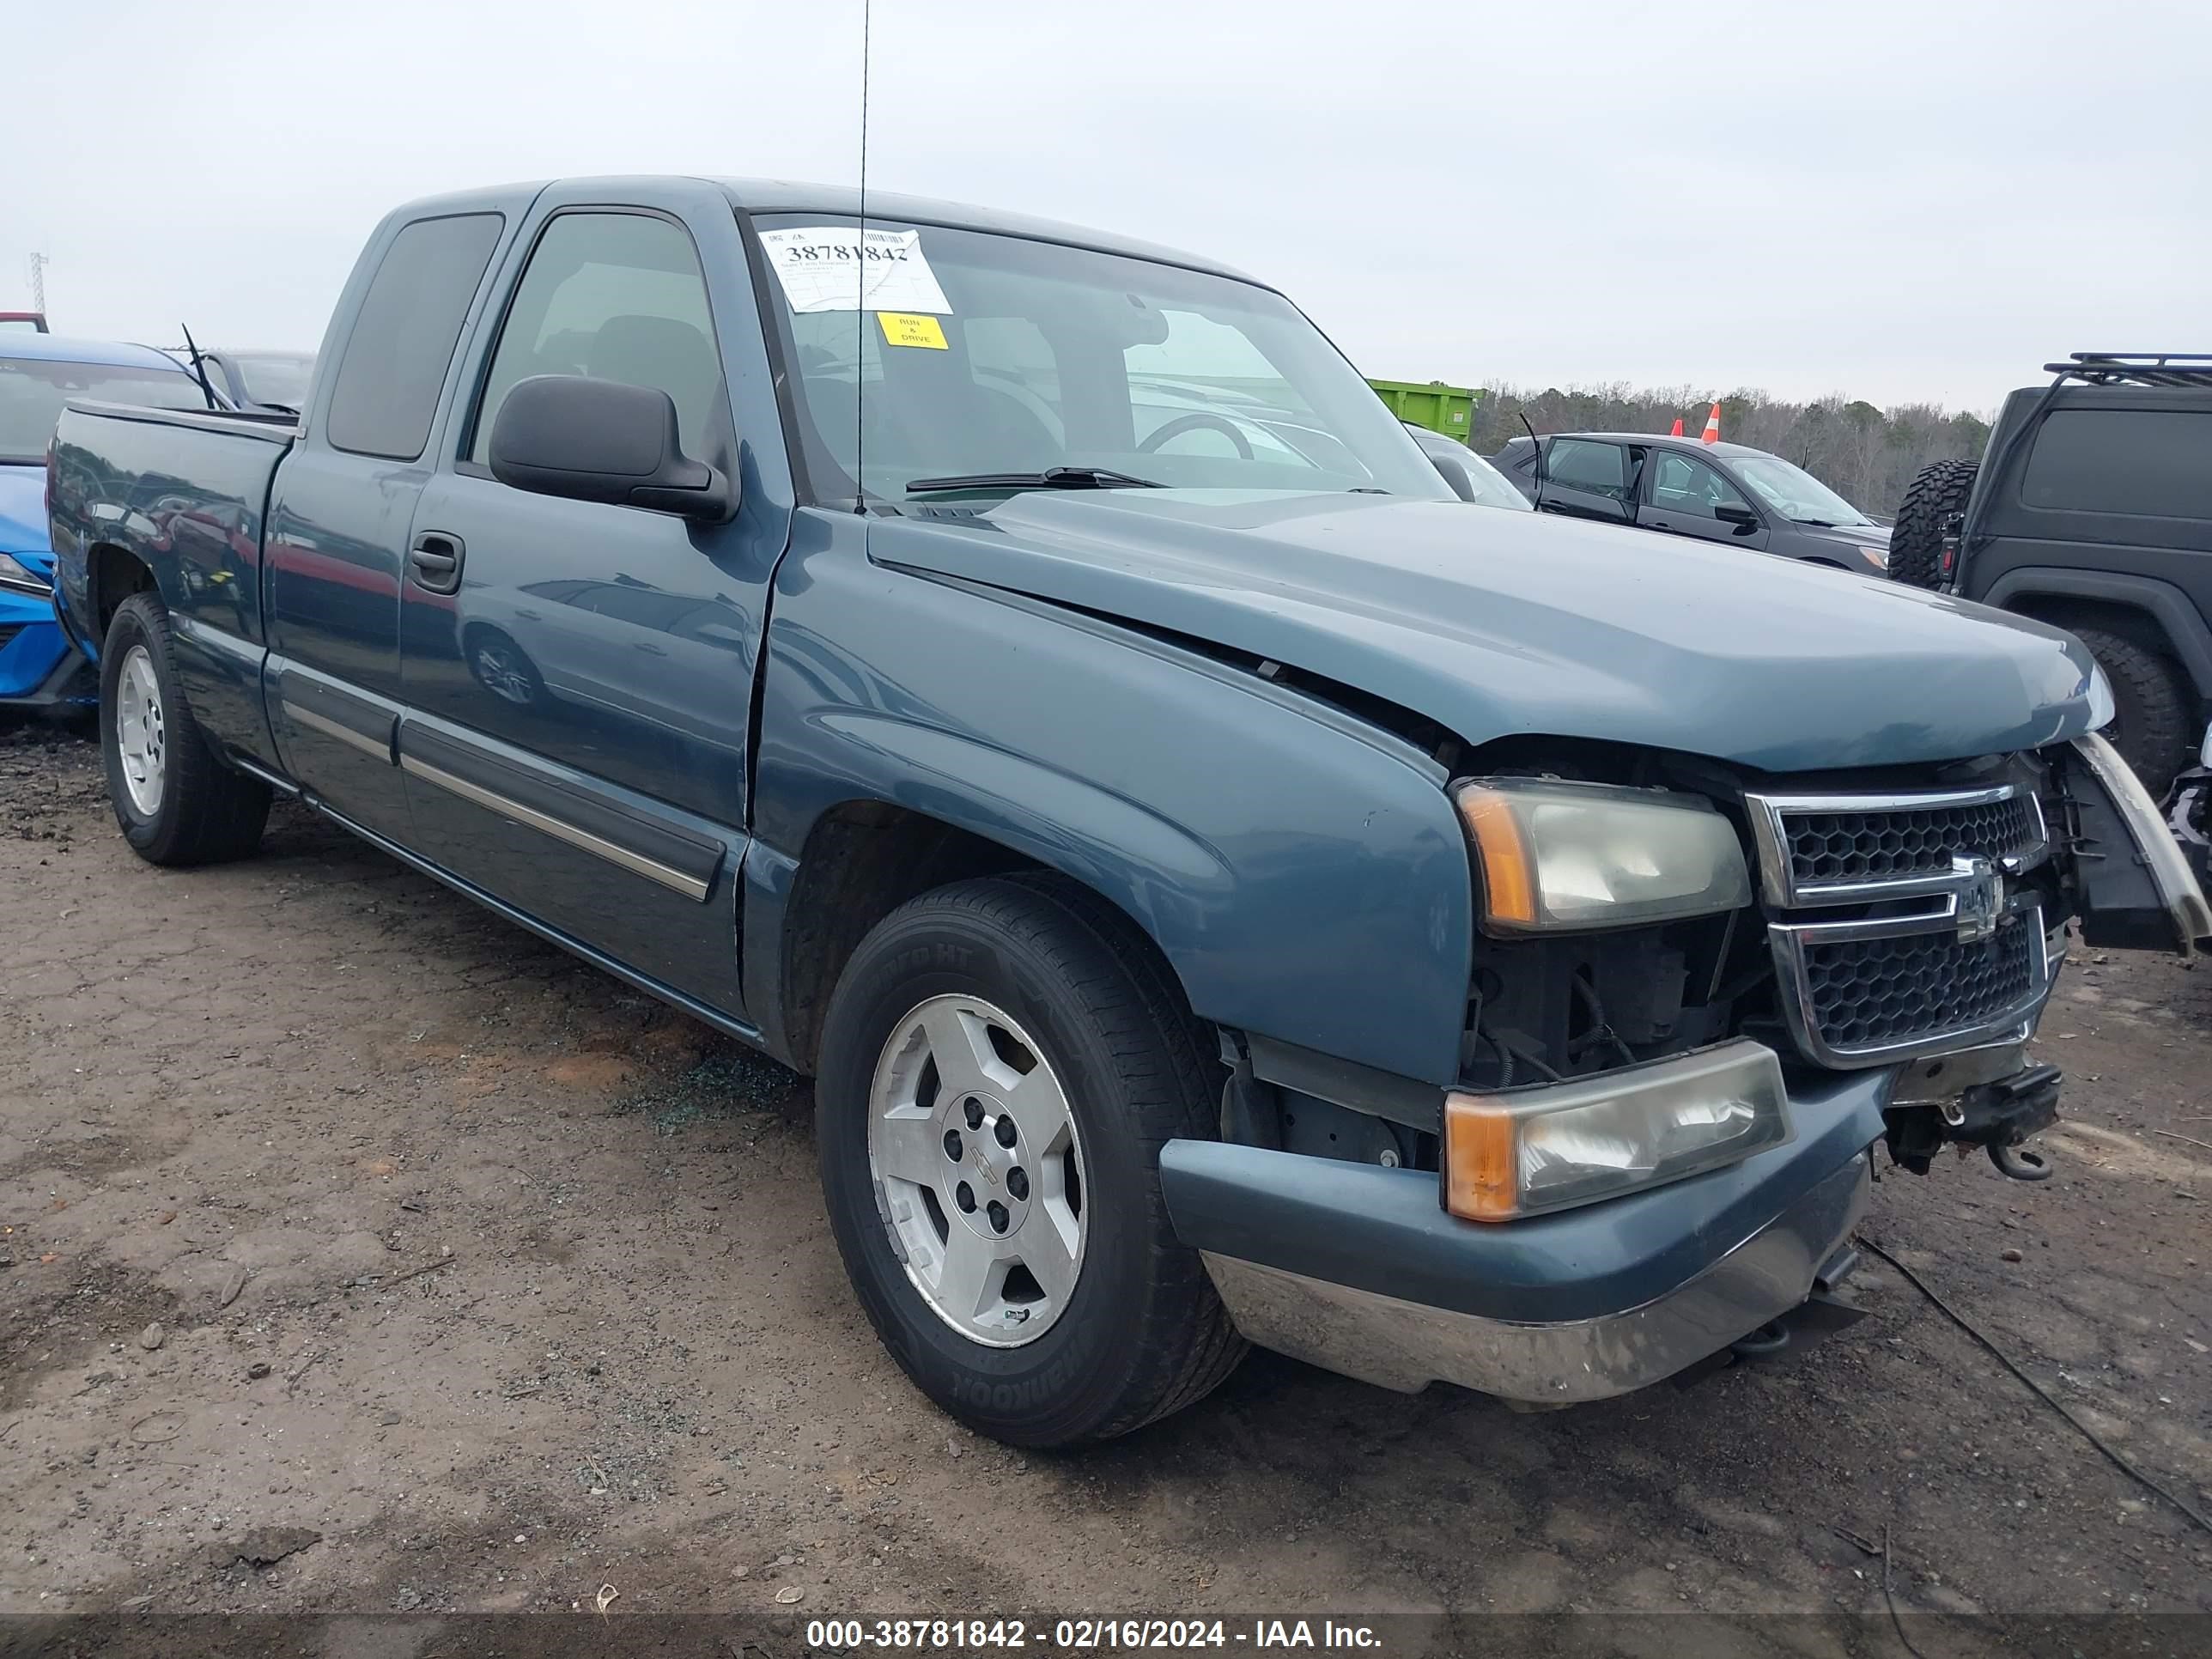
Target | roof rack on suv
(2173,368)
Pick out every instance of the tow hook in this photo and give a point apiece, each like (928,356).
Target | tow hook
(2021,1163)
(1997,1116)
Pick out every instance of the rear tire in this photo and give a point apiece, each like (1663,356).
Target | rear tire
(1940,490)
(2152,728)
(1138,1332)
(175,803)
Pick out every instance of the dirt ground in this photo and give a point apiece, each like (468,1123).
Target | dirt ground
(349,1226)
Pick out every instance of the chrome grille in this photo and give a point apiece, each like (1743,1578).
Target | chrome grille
(1868,992)
(1938,947)
(1878,846)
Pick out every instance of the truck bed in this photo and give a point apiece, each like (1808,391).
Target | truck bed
(187,492)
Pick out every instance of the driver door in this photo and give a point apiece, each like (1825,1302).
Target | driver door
(1687,496)
(579,675)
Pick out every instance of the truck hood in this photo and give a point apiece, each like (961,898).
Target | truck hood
(1496,623)
(23,510)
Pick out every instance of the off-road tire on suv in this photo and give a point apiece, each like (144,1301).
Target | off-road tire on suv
(1142,1333)
(1940,490)
(201,810)
(2152,728)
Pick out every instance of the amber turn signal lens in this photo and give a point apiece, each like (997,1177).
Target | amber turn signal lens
(1509,886)
(1480,1182)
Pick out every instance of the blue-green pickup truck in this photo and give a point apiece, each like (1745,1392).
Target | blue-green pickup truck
(1225,888)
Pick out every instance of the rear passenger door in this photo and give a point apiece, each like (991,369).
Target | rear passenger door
(344,497)
(1586,478)
(1687,496)
(579,676)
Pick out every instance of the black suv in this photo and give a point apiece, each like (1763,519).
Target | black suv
(2092,509)
(1726,493)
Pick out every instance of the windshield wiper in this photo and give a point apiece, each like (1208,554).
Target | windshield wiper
(1053,477)
(1817,523)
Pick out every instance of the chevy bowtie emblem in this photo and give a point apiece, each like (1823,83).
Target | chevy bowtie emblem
(1981,897)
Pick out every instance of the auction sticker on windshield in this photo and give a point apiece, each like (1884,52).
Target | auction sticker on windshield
(831,268)
(912,328)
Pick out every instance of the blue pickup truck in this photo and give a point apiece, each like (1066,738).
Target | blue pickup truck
(1224,889)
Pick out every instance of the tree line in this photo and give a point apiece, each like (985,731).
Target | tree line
(1867,455)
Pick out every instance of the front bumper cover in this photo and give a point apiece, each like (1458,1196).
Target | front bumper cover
(39,669)
(1406,1346)
(1358,1268)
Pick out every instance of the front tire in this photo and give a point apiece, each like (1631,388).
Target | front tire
(175,803)
(1001,1062)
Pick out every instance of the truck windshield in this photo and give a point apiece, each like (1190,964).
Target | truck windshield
(34,389)
(970,354)
(1794,493)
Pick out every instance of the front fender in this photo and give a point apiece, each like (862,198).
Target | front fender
(1303,874)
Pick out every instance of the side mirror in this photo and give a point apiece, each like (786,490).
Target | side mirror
(601,441)
(1455,475)
(1741,517)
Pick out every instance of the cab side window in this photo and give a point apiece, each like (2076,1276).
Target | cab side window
(394,362)
(613,297)
(1593,468)
(1680,484)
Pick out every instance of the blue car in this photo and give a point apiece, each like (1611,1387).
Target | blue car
(39,668)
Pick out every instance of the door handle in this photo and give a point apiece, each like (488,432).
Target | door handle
(434,562)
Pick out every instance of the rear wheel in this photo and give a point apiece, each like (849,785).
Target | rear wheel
(1001,1063)
(1939,491)
(2151,725)
(174,801)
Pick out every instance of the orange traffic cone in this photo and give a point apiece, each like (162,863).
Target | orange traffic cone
(1713,424)
(1677,432)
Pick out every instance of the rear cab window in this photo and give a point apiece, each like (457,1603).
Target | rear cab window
(385,394)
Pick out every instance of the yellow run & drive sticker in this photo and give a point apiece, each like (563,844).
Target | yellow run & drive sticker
(908,328)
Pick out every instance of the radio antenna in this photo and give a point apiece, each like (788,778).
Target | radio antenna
(860,288)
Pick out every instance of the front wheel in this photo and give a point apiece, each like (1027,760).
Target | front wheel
(1002,1062)
(174,801)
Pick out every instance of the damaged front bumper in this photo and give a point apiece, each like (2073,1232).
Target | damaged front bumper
(1358,1268)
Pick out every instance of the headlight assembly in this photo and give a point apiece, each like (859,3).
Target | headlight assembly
(1565,856)
(2101,706)
(1528,1151)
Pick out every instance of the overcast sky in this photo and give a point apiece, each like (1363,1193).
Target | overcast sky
(1912,203)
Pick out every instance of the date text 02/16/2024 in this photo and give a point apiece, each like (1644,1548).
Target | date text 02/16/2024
(1111,1635)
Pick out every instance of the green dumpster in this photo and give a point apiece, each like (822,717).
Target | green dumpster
(1440,407)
